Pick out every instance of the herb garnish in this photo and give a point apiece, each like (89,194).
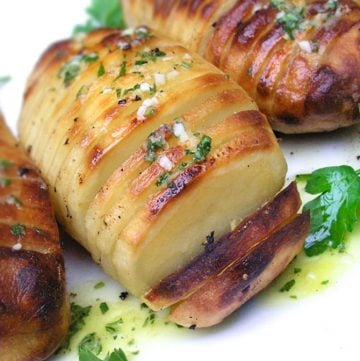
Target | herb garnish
(104,307)
(287,286)
(4,182)
(335,210)
(332,4)
(5,164)
(100,284)
(70,70)
(114,327)
(151,55)
(153,143)
(91,343)
(78,315)
(164,178)
(103,13)
(101,70)
(18,230)
(202,149)
(116,355)
(290,21)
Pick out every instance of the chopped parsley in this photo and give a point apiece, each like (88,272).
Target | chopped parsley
(149,112)
(297,270)
(332,4)
(104,307)
(91,343)
(182,166)
(164,178)
(151,55)
(103,13)
(70,70)
(335,210)
(290,21)
(116,355)
(118,93)
(186,65)
(82,91)
(78,315)
(101,70)
(5,182)
(141,62)
(202,149)
(100,284)
(18,230)
(153,143)
(287,286)
(114,327)
(5,164)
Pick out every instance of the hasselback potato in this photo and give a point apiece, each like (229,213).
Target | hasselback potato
(34,312)
(147,149)
(300,60)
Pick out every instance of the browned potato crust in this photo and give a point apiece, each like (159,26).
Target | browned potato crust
(308,83)
(34,312)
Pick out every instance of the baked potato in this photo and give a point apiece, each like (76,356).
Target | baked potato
(147,149)
(300,60)
(34,311)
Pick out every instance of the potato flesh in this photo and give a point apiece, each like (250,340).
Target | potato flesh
(149,235)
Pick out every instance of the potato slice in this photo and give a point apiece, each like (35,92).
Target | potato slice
(230,247)
(229,290)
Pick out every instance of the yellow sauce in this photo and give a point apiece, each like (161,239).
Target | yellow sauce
(136,323)
(315,274)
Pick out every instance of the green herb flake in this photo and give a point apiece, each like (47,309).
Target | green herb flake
(18,230)
(104,307)
(297,270)
(82,91)
(114,327)
(153,143)
(152,55)
(186,65)
(99,285)
(202,149)
(4,80)
(287,286)
(5,164)
(249,72)
(101,70)
(290,21)
(91,343)
(332,4)
(150,320)
(163,179)
(141,62)
(70,70)
(325,282)
(335,210)
(118,93)
(149,112)
(103,13)
(116,355)
(182,166)
(78,316)
(122,71)
(4,182)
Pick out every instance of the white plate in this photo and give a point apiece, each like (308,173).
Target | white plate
(324,325)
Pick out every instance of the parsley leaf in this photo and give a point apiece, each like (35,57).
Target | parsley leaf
(91,343)
(103,13)
(78,315)
(202,149)
(335,210)
(116,355)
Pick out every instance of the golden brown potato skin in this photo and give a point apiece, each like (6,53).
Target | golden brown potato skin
(307,84)
(34,312)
